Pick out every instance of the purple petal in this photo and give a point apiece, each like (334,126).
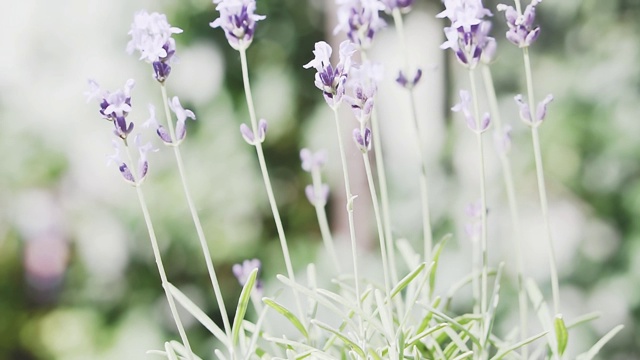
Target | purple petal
(262,130)
(247,134)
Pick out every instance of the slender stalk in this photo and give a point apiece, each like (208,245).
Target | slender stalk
(513,206)
(321,214)
(265,176)
(376,210)
(483,200)
(194,215)
(352,229)
(158,258)
(542,189)
(384,191)
(419,131)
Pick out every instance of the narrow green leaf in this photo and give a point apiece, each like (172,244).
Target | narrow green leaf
(495,298)
(243,303)
(345,339)
(414,340)
(583,319)
(194,310)
(504,352)
(407,280)
(286,313)
(436,259)
(454,324)
(463,355)
(595,349)
(427,319)
(562,335)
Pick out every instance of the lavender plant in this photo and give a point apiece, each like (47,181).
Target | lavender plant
(359,316)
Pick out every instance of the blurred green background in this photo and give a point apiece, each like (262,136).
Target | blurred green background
(77,279)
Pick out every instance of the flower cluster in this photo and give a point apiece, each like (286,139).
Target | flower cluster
(182,115)
(360,20)
(238,20)
(521,31)
(114,106)
(468,35)
(540,114)
(363,83)
(331,80)
(151,36)
(313,163)
(464,105)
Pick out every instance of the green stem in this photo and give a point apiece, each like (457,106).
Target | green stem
(513,206)
(194,215)
(265,176)
(542,189)
(158,258)
(419,131)
(483,199)
(321,214)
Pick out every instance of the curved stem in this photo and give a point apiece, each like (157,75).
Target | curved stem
(513,205)
(158,258)
(542,189)
(419,131)
(194,215)
(265,176)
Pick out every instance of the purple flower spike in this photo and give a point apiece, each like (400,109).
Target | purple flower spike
(521,31)
(320,200)
(360,20)
(181,115)
(160,130)
(243,270)
(331,81)
(311,160)
(406,83)
(541,110)
(403,5)
(151,36)
(114,106)
(363,81)
(238,20)
(363,141)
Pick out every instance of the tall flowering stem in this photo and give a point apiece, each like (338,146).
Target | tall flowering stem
(503,144)
(427,232)
(194,213)
(265,174)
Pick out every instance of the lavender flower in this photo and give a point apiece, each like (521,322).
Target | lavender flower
(360,20)
(362,139)
(143,164)
(238,20)
(311,160)
(114,106)
(153,122)
(403,81)
(464,106)
(249,137)
(181,118)
(468,35)
(502,139)
(521,31)
(363,81)
(541,110)
(402,5)
(243,270)
(321,198)
(151,36)
(329,79)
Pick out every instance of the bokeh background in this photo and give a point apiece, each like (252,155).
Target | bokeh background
(77,278)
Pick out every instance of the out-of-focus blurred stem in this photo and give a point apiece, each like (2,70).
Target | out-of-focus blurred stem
(321,214)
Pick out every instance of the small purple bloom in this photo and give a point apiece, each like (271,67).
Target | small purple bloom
(181,118)
(363,81)
(360,20)
(521,30)
(311,160)
(541,110)
(321,198)
(143,164)
(403,5)
(238,20)
(464,106)
(114,106)
(405,82)
(502,139)
(243,270)
(151,36)
(331,81)
(362,139)
(160,130)
(249,137)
